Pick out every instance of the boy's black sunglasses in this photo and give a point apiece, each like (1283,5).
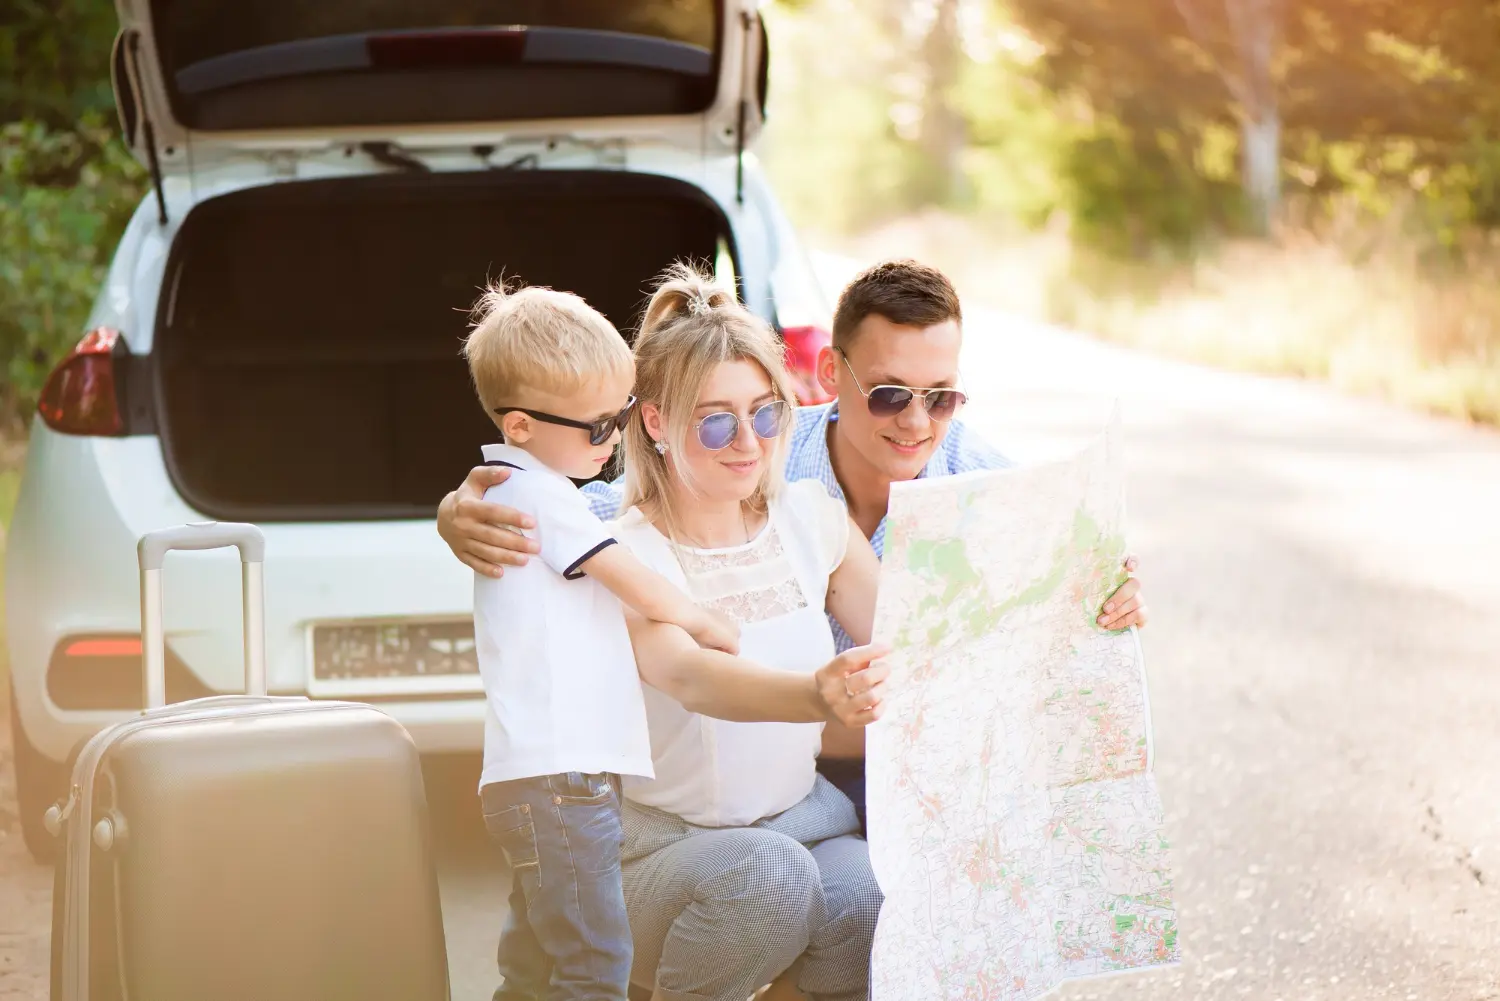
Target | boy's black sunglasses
(599,431)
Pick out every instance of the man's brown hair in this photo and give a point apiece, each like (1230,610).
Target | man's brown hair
(905,292)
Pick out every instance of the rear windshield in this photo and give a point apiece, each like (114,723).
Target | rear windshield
(210,50)
(191,31)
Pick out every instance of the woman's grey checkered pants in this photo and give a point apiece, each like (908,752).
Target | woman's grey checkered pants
(718,912)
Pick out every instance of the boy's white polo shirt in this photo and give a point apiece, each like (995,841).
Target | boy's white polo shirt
(559,674)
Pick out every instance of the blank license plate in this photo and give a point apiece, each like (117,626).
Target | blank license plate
(394,656)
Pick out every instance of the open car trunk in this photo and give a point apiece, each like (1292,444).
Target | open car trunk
(307,353)
(231,78)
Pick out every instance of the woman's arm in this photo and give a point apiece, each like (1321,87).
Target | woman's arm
(851,587)
(851,601)
(847,689)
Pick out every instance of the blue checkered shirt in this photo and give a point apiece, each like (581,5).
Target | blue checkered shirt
(960,452)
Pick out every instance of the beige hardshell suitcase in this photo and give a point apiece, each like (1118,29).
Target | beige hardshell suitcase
(243,848)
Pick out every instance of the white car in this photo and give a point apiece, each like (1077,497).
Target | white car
(278,337)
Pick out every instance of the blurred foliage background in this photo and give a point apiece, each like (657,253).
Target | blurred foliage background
(1309,188)
(1136,119)
(67,185)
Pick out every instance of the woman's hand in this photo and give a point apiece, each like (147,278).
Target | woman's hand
(484,535)
(1126,607)
(852,688)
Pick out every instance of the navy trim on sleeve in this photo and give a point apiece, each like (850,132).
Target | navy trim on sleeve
(502,462)
(573,573)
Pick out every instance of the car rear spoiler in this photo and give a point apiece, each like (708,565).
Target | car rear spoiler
(396,50)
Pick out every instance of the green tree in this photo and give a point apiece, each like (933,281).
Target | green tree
(1252,31)
(54,60)
(941,134)
(67,186)
(1338,87)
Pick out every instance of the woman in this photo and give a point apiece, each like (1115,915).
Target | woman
(738,857)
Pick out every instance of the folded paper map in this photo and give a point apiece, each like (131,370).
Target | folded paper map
(1015,825)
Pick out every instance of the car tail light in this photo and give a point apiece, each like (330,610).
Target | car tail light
(803,345)
(102,671)
(82,395)
(118,646)
(96,672)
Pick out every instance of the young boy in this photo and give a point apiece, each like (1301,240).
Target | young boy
(565,713)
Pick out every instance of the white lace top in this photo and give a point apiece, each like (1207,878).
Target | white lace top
(716,773)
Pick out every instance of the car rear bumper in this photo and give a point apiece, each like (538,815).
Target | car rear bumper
(436,727)
(71,571)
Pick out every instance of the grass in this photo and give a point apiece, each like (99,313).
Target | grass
(1373,307)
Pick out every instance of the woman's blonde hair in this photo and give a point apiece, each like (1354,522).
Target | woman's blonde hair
(692,325)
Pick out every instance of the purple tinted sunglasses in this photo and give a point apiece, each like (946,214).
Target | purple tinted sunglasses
(718,431)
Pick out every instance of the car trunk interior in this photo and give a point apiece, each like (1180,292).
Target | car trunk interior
(307,354)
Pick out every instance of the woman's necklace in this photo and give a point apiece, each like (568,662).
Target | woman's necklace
(744,527)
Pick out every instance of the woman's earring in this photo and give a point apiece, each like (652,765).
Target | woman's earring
(661,447)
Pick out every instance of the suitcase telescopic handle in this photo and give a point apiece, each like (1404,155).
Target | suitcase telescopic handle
(153,549)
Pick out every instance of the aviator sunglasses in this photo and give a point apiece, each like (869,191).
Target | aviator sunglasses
(718,431)
(599,431)
(943,404)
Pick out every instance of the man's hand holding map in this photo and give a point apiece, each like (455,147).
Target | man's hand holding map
(1015,825)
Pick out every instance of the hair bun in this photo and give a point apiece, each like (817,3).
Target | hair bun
(684,292)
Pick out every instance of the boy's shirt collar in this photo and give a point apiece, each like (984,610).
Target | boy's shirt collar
(502,454)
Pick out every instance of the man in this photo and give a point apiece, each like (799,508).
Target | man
(893,367)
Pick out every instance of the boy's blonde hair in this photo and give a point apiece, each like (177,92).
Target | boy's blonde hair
(692,325)
(541,339)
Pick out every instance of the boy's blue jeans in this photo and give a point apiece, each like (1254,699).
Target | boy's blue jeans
(567,937)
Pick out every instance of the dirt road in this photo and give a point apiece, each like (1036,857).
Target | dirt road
(1323,577)
(25,894)
(1322,655)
